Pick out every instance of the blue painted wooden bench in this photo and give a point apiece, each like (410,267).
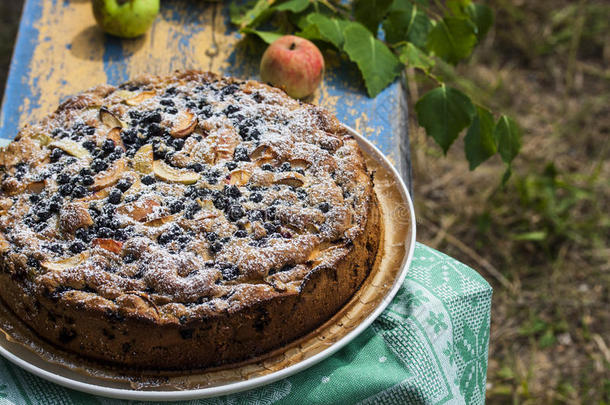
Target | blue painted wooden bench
(60,51)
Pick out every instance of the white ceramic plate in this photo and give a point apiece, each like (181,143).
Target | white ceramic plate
(31,362)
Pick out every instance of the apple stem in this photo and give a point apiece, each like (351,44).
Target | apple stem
(292,46)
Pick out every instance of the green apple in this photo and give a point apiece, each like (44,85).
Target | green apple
(125,18)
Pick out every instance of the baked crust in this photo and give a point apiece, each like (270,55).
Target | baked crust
(183,222)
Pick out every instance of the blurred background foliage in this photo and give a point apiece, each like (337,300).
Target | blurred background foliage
(543,240)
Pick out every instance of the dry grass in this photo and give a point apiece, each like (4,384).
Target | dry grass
(543,242)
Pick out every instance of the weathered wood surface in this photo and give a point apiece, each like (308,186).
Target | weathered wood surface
(60,51)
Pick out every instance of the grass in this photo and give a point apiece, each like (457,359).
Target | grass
(543,241)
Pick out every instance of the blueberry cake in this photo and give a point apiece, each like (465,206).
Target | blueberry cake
(183,222)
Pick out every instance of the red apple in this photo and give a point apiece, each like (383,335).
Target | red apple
(293,64)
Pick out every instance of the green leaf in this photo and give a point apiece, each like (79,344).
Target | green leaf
(396,25)
(325,28)
(508,138)
(311,32)
(444,112)
(400,5)
(299,20)
(530,236)
(533,327)
(508,141)
(406,4)
(419,30)
(457,7)
(412,56)
(482,16)
(296,6)
(371,12)
(452,39)
(266,36)
(378,65)
(407,24)
(252,14)
(479,142)
(507,173)
(238,12)
(547,340)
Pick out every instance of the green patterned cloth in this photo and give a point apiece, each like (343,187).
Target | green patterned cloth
(428,347)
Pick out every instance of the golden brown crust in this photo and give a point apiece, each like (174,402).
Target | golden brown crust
(183,221)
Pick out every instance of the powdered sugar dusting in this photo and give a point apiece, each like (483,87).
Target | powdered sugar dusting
(249,187)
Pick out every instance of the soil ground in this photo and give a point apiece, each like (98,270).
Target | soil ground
(543,240)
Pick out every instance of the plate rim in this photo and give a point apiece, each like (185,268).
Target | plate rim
(240,386)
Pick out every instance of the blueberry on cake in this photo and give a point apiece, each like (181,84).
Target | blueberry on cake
(182,222)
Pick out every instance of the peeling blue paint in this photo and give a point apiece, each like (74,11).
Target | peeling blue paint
(17,86)
(383,119)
